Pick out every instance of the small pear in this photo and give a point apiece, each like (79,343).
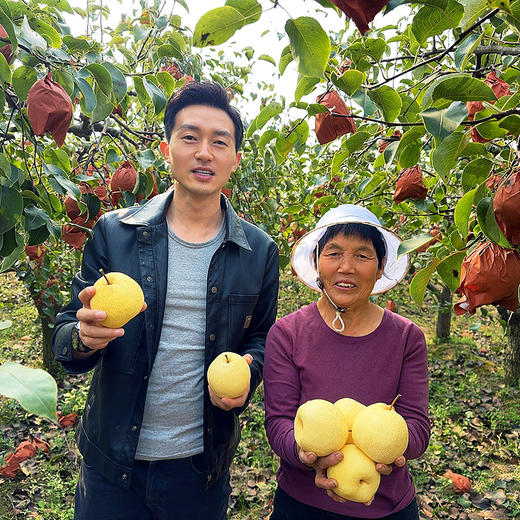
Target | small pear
(120,296)
(229,375)
(320,427)
(356,475)
(380,432)
(350,408)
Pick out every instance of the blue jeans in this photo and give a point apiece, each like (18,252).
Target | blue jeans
(287,508)
(160,490)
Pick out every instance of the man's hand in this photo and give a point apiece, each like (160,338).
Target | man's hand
(91,332)
(226,403)
(320,465)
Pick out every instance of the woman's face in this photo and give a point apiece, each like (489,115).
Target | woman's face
(348,267)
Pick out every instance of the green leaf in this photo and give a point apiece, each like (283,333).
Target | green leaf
(155,93)
(61,5)
(430,21)
(9,260)
(305,86)
(310,45)
(267,113)
(465,50)
(488,223)
(251,10)
(11,207)
(102,77)
(475,173)
(217,26)
(167,82)
(441,123)
(420,281)
(35,218)
(349,81)
(449,270)
(462,87)
(5,70)
(47,31)
(178,43)
(7,24)
(411,155)
(88,101)
(166,51)
(23,79)
(266,57)
(65,79)
(473,10)
(267,137)
(285,58)
(489,129)
(118,81)
(103,108)
(77,45)
(388,100)
(511,124)
(33,388)
(32,39)
(444,157)
(407,246)
(410,137)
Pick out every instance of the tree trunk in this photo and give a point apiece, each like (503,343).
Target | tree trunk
(47,355)
(444,315)
(512,352)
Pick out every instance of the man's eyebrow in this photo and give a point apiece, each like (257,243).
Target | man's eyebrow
(188,126)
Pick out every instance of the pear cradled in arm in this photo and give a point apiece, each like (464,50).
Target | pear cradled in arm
(229,375)
(380,432)
(120,296)
(320,427)
(356,475)
(350,408)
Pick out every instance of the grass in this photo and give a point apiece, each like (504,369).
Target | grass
(475,423)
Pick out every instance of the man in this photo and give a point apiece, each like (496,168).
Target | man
(156,443)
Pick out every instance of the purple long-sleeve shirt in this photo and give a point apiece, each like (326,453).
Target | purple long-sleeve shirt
(305,359)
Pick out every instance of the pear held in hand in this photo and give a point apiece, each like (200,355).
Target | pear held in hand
(356,475)
(320,427)
(380,432)
(120,296)
(350,408)
(229,375)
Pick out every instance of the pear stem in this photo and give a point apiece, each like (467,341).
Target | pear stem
(104,275)
(227,358)
(393,402)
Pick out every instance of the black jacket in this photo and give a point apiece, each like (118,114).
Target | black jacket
(242,290)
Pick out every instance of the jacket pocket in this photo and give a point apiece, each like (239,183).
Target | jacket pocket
(241,309)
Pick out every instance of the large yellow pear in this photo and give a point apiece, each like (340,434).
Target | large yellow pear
(350,408)
(356,475)
(320,427)
(380,432)
(229,375)
(121,298)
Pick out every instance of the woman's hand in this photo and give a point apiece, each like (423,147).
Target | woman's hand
(386,469)
(320,465)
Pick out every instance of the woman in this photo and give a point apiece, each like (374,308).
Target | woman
(345,346)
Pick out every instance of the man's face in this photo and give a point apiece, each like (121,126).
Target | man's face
(202,151)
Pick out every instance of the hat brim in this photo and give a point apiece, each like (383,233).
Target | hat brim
(303,265)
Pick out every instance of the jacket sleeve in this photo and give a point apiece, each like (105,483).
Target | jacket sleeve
(281,395)
(263,318)
(94,258)
(413,387)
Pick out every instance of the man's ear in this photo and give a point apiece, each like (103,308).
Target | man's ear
(165,150)
(237,161)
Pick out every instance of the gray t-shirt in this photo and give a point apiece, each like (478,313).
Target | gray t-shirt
(173,413)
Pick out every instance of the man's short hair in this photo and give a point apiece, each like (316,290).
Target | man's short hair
(208,93)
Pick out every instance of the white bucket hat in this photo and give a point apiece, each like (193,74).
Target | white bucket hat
(302,254)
